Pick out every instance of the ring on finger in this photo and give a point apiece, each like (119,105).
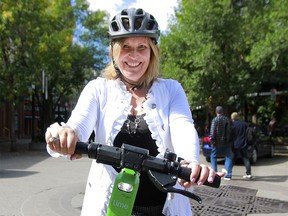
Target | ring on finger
(53,140)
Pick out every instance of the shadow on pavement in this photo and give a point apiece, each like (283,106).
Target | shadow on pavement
(273,178)
(15,173)
(277,159)
(14,164)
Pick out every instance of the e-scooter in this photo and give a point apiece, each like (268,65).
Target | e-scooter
(163,172)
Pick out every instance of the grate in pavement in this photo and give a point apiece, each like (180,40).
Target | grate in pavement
(234,201)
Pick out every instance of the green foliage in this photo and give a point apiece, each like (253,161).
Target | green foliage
(221,51)
(271,44)
(66,41)
(206,56)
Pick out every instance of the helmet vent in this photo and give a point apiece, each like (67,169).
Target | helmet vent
(115,26)
(126,23)
(150,25)
(139,11)
(138,23)
(124,12)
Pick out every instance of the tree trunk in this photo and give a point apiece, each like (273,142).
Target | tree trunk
(12,126)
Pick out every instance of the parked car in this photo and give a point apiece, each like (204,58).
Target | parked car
(263,146)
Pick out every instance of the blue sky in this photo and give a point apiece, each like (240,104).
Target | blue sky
(160,9)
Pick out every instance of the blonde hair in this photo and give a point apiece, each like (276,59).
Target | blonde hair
(152,71)
(234,115)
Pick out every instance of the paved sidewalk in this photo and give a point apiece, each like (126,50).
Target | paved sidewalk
(264,195)
(34,184)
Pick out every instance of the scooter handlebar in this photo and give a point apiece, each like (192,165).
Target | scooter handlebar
(136,158)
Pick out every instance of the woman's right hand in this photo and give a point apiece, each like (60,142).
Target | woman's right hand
(62,140)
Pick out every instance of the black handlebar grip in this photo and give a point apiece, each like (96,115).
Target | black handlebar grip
(216,182)
(185,172)
(81,148)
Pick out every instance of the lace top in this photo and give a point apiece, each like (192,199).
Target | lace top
(141,138)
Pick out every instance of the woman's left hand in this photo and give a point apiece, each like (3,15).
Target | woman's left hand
(200,173)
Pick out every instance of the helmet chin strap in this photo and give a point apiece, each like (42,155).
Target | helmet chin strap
(116,68)
(133,86)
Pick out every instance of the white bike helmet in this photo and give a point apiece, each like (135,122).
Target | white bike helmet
(132,23)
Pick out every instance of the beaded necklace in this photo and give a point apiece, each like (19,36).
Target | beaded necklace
(133,125)
(137,111)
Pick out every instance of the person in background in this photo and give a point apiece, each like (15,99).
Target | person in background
(219,142)
(206,130)
(272,125)
(240,145)
(131,104)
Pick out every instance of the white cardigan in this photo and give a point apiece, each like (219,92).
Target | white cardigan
(104,105)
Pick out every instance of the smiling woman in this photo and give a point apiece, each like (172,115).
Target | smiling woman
(140,50)
(131,56)
(135,56)
(131,104)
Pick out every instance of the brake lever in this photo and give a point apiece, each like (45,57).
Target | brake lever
(165,182)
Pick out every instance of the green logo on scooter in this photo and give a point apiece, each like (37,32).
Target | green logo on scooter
(119,204)
(124,193)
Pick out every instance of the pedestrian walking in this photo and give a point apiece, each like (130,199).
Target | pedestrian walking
(240,145)
(220,142)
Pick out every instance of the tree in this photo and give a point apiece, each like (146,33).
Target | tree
(38,35)
(269,44)
(208,57)
(268,57)
(21,28)
(80,59)
(223,50)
